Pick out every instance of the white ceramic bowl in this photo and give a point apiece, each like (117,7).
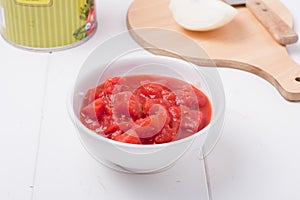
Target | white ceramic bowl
(147,158)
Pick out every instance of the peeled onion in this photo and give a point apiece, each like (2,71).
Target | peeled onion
(201,15)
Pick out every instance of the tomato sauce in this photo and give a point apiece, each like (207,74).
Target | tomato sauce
(145,109)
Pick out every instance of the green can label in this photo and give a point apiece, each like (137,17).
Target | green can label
(44,24)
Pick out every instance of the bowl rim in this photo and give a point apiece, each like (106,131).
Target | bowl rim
(76,121)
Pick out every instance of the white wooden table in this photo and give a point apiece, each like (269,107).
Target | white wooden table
(41,157)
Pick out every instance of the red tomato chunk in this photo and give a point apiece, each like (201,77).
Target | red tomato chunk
(145,109)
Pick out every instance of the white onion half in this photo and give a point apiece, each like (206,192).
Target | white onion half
(201,15)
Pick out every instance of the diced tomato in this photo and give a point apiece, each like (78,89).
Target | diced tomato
(135,108)
(186,97)
(120,105)
(108,106)
(128,137)
(106,121)
(152,90)
(111,129)
(115,134)
(151,102)
(109,85)
(90,96)
(95,109)
(175,112)
(190,119)
(144,128)
(126,105)
(167,135)
(153,125)
(125,126)
(120,87)
(143,121)
(91,124)
(93,94)
(169,96)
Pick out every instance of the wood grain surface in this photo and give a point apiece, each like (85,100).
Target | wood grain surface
(280,31)
(242,44)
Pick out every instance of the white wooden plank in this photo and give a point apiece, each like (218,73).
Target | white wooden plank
(258,156)
(259,151)
(22,81)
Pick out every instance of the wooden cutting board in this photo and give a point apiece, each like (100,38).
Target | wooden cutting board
(242,44)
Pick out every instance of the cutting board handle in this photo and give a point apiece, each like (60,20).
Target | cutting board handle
(287,81)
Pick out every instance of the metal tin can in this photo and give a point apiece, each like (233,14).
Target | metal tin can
(47,24)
